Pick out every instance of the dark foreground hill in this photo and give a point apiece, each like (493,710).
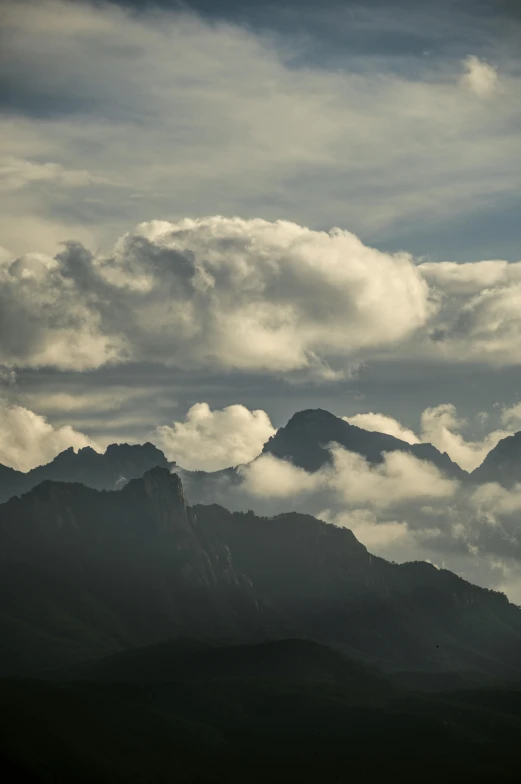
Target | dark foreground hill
(282,711)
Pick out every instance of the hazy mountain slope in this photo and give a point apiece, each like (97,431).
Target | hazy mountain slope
(409,616)
(502,464)
(85,573)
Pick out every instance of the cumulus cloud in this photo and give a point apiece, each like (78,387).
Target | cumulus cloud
(381,423)
(350,479)
(268,477)
(479,77)
(46,318)
(479,310)
(28,439)
(232,293)
(399,478)
(210,440)
(252,295)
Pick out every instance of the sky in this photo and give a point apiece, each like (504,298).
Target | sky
(215,214)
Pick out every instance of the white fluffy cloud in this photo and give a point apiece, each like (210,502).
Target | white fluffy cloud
(441,426)
(48,320)
(232,293)
(268,477)
(381,423)
(253,295)
(399,479)
(479,77)
(210,440)
(479,310)
(28,439)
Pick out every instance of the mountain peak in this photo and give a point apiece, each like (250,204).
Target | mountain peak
(305,438)
(311,415)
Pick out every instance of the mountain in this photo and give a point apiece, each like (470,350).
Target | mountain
(304,440)
(116,466)
(502,464)
(282,711)
(84,573)
(408,616)
(87,573)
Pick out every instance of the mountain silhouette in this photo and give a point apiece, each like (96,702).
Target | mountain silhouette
(305,438)
(103,471)
(87,573)
(502,464)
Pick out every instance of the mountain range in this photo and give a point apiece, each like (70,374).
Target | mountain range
(113,468)
(86,573)
(305,438)
(150,638)
(303,441)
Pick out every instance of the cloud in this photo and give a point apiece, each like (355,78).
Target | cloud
(478,313)
(221,292)
(46,318)
(399,478)
(210,440)
(28,439)
(351,480)
(253,295)
(381,423)
(268,477)
(16,173)
(511,417)
(391,539)
(178,111)
(479,77)
(492,501)
(440,427)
